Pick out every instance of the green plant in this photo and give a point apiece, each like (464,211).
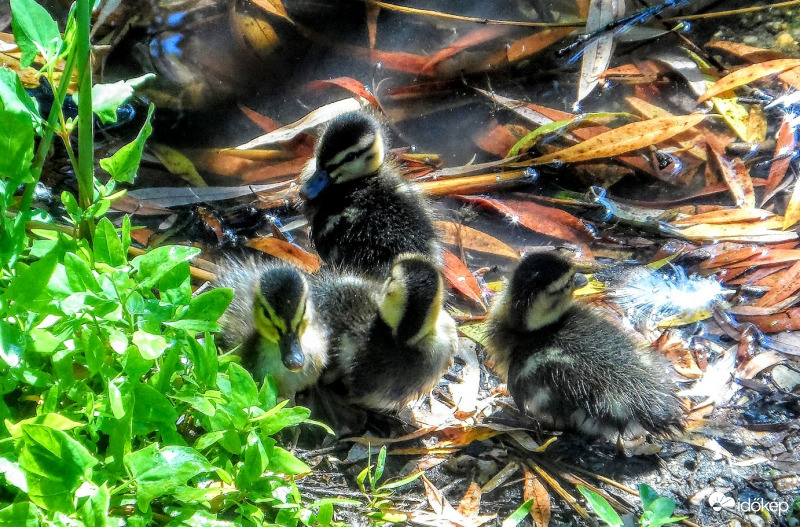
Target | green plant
(112,409)
(657,510)
(378,495)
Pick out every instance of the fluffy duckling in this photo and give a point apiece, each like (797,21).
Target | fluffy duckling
(362,213)
(569,367)
(390,343)
(272,316)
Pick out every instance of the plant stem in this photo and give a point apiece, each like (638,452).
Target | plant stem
(85,169)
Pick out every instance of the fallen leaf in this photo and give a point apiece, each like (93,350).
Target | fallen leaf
(457,276)
(788,320)
(473,239)
(471,39)
(792,214)
(785,145)
(756,125)
(356,87)
(177,164)
(624,139)
(747,75)
(535,43)
(735,176)
(534,490)
(470,503)
(287,252)
(597,53)
(725,216)
(475,184)
(787,286)
(743,51)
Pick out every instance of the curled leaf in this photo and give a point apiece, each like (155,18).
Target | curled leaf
(747,75)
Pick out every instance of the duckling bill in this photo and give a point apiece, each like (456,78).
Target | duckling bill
(273,318)
(569,367)
(361,211)
(390,342)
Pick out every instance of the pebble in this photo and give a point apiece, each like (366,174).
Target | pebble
(785,40)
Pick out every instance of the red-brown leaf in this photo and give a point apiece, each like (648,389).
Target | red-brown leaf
(459,278)
(287,252)
(785,145)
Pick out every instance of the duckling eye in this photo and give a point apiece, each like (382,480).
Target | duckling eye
(349,157)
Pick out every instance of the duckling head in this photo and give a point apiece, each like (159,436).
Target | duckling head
(412,298)
(539,292)
(353,146)
(281,313)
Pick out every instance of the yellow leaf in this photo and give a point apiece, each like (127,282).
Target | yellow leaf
(747,75)
(624,139)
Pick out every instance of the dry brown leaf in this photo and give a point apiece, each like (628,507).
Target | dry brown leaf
(540,509)
(478,36)
(531,44)
(624,139)
(287,252)
(785,145)
(470,503)
(747,75)
(765,256)
(786,287)
(474,184)
(766,231)
(735,176)
(473,239)
(273,7)
(725,216)
(458,276)
(789,320)
(743,51)
(443,515)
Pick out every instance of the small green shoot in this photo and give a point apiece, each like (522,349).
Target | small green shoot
(378,495)
(657,510)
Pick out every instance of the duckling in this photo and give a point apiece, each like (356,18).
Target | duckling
(568,366)
(273,318)
(361,211)
(390,343)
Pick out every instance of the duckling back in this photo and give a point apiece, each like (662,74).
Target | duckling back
(273,321)
(362,213)
(578,370)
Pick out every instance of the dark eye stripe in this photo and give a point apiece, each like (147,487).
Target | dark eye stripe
(332,168)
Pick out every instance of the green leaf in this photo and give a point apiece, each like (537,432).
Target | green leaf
(158,262)
(601,507)
(22,514)
(255,462)
(325,514)
(152,408)
(107,245)
(55,466)
(107,98)
(400,482)
(379,466)
(30,283)
(16,136)
(244,392)
(12,344)
(159,472)
(282,461)
(273,421)
(35,31)
(14,98)
(647,495)
(519,514)
(659,513)
(150,346)
(79,274)
(120,397)
(50,420)
(209,305)
(124,164)
(206,363)
(94,511)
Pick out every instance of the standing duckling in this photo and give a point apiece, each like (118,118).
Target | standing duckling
(390,343)
(272,316)
(361,211)
(569,367)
